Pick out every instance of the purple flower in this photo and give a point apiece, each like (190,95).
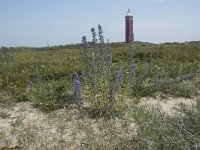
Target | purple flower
(132,73)
(94,43)
(108,65)
(176,80)
(84,50)
(131,52)
(111,99)
(94,36)
(109,60)
(101,38)
(84,40)
(77,85)
(85,57)
(111,91)
(119,77)
(93,73)
(78,91)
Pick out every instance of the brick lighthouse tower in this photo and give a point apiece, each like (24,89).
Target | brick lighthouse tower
(129,27)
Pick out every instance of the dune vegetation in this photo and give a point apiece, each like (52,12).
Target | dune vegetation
(100,95)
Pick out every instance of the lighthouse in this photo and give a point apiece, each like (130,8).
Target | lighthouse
(129,27)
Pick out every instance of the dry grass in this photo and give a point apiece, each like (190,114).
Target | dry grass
(27,127)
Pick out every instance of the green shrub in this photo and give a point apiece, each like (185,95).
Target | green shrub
(50,96)
(182,90)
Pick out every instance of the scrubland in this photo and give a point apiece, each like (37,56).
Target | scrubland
(99,95)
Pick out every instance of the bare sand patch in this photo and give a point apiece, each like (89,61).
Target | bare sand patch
(29,128)
(168,104)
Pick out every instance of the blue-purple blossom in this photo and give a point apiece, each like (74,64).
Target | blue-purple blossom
(99,56)
(94,43)
(176,80)
(78,93)
(94,72)
(98,47)
(101,38)
(111,91)
(109,64)
(131,52)
(120,77)
(94,36)
(85,57)
(77,85)
(132,73)
(111,98)
(84,50)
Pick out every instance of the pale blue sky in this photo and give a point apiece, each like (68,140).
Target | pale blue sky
(60,22)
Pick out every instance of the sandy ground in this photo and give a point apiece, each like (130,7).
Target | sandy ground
(168,104)
(26,126)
